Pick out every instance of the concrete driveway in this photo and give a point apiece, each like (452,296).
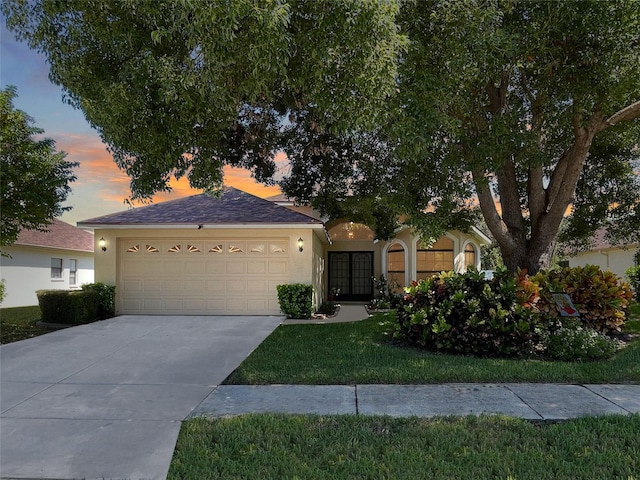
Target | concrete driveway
(106,400)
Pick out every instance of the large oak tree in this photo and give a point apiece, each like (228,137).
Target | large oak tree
(416,108)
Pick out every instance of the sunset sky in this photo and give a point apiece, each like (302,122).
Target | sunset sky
(101,187)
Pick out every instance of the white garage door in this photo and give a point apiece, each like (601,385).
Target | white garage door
(234,277)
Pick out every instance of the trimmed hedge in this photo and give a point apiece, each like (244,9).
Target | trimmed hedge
(68,307)
(107,296)
(295,300)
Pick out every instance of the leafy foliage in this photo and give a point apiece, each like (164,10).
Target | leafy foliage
(173,96)
(464,313)
(633,274)
(385,109)
(107,298)
(35,178)
(295,300)
(600,296)
(68,306)
(3,291)
(576,343)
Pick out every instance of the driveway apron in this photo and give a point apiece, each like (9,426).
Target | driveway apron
(106,400)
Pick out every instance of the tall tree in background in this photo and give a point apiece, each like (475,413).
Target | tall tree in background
(34,178)
(416,108)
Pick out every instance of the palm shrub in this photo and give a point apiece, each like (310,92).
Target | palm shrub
(467,314)
(599,295)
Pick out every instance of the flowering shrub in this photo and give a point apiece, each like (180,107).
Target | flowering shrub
(578,344)
(600,296)
(465,313)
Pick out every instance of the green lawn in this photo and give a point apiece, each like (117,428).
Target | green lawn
(19,323)
(339,447)
(362,352)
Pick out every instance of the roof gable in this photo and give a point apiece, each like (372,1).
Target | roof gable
(59,235)
(232,207)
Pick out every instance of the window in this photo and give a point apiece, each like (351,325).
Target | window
(395,267)
(438,258)
(56,268)
(469,256)
(73,271)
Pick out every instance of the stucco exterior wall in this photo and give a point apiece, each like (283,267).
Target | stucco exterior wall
(615,259)
(29,269)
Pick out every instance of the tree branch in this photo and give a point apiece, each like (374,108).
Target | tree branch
(630,112)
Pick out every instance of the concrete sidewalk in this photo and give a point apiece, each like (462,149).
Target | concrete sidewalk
(521,400)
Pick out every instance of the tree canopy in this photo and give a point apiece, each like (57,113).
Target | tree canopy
(34,178)
(418,110)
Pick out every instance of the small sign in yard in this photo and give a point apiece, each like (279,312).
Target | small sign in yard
(564,305)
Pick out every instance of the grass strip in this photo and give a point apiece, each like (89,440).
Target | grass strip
(338,447)
(19,323)
(362,352)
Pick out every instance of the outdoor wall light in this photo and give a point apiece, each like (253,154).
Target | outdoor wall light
(103,244)
(300,244)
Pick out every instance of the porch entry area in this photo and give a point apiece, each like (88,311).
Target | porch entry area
(351,273)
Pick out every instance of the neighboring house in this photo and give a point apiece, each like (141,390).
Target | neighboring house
(59,259)
(225,255)
(608,257)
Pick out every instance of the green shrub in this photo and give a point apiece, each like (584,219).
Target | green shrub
(600,296)
(3,291)
(327,308)
(295,300)
(575,343)
(107,295)
(465,313)
(633,274)
(68,307)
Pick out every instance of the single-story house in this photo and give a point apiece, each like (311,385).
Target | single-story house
(58,259)
(225,255)
(617,258)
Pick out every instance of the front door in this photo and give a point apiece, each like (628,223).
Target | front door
(351,273)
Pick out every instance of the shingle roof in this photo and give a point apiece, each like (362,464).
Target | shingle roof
(232,207)
(60,235)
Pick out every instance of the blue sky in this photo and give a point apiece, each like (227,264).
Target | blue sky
(101,188)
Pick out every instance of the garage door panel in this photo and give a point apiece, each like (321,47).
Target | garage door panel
(152,286)
(237,286)
(236,304)
(172,287)
(194,268)
(201,276)
(236,267)
(153,305)
(257,267)
(216,286)
(279,267)
(257,286)
(194,287)
(149,268)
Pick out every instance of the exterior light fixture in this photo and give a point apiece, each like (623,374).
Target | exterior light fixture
(300,244)
(103,244)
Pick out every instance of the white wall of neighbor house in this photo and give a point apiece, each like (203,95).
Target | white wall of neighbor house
(28,269)
(618,260)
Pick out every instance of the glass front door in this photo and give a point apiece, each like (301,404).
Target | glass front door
(350,273)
